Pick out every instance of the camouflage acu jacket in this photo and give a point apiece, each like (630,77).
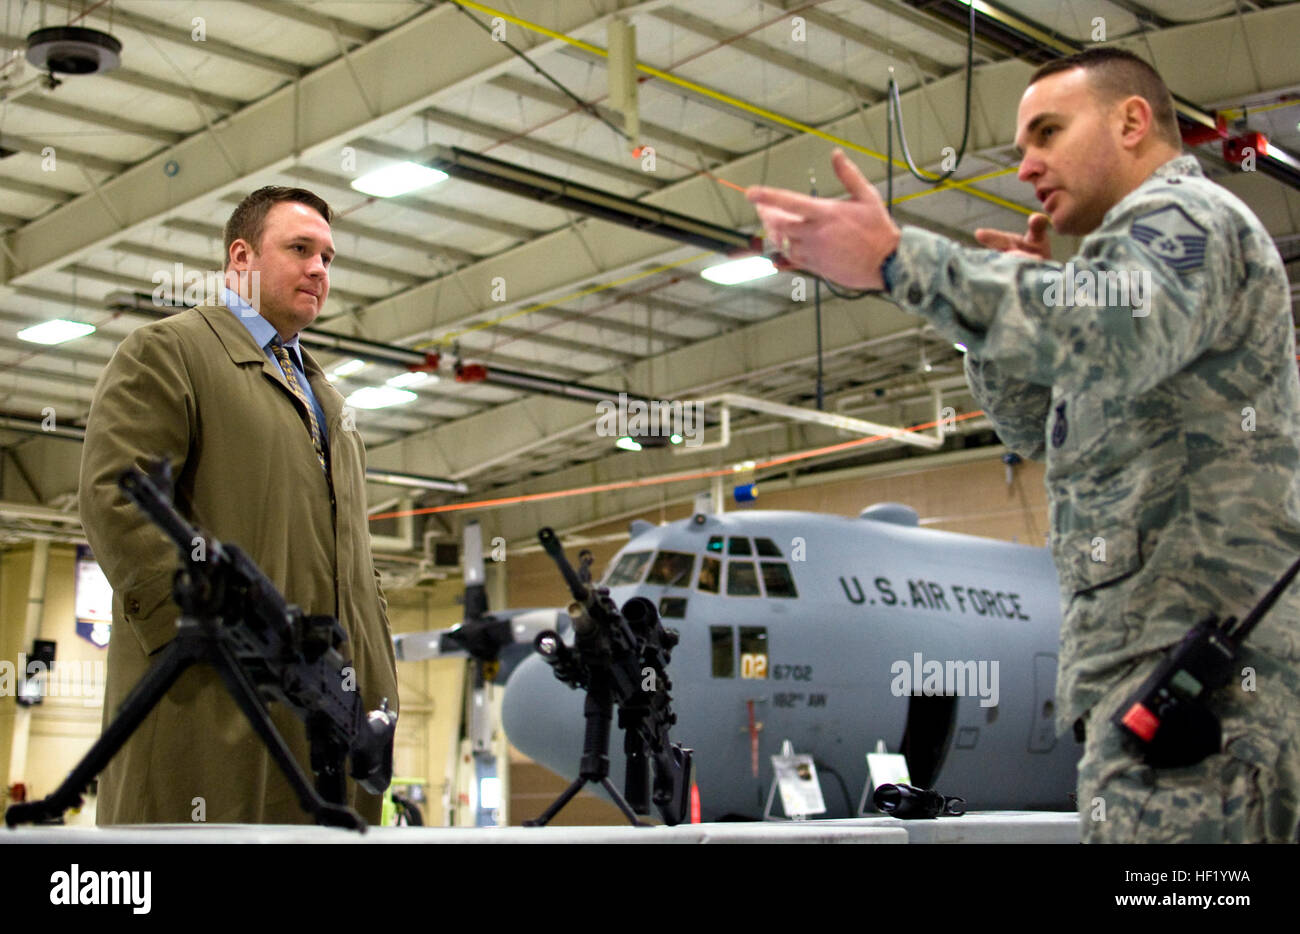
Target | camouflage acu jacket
(1155,372)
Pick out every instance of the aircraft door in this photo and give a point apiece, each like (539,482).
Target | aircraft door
(753,652)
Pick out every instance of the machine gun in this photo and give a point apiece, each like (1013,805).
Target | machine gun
(1168,720)
(619,659)
(264,649)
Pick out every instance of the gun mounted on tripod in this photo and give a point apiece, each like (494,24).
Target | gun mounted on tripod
(265,649)
(619,659)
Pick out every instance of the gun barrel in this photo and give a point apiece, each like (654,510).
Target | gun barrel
(641,615)
(551,545)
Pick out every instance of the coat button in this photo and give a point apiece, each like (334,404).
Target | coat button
(914,294)
(133,605)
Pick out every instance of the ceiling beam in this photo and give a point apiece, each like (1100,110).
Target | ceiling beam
(62,153)
(869,40)
(509,137)
(55,376)
(354,32)
(414,203)
(659,303)
(393,238)
(29,350)
(112,277)
(525,88)
(137,79)
(767,53)
(1144,14)
(594,319)
(35,190)
(47,295)
(562,343)
(47,103)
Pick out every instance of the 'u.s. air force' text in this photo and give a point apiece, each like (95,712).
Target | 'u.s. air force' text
(931,595)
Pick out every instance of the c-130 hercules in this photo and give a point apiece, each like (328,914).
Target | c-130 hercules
(832,633)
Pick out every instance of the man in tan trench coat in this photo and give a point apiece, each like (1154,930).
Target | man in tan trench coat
(200,389)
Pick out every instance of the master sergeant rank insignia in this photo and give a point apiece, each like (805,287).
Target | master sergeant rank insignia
(1172,236)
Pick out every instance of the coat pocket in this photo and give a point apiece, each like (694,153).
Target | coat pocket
(1087,560)
(1095,569)
(149,611)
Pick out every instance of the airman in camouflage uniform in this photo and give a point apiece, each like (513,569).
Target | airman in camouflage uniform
(1169,416)
(1172,442)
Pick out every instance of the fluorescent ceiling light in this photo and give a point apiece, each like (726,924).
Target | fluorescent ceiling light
(407,380)
(627,444)
(379,397)
(348,368)
(397,179)
(55,332)
(736,271)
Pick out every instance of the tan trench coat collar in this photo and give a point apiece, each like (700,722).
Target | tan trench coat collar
(242,349)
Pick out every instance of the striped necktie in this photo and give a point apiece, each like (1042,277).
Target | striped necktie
(291,377)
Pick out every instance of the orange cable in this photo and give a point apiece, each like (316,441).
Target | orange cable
(655,481)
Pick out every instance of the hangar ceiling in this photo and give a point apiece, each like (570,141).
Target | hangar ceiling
(108,181)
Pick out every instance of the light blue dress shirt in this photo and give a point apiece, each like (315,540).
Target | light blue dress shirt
(264,332)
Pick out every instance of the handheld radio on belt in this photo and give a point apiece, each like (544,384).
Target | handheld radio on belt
(1168,720)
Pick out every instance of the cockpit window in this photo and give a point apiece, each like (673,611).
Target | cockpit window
(767,548)
(672,608)
(710,574)
(715,543)
(629,568)
(672,569)
(742,580)
(777,581)
(738,546)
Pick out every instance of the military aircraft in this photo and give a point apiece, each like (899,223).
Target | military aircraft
(832,633)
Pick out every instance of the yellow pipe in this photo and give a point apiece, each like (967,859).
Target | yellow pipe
(717,95)
(1243,111)
(748,108)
